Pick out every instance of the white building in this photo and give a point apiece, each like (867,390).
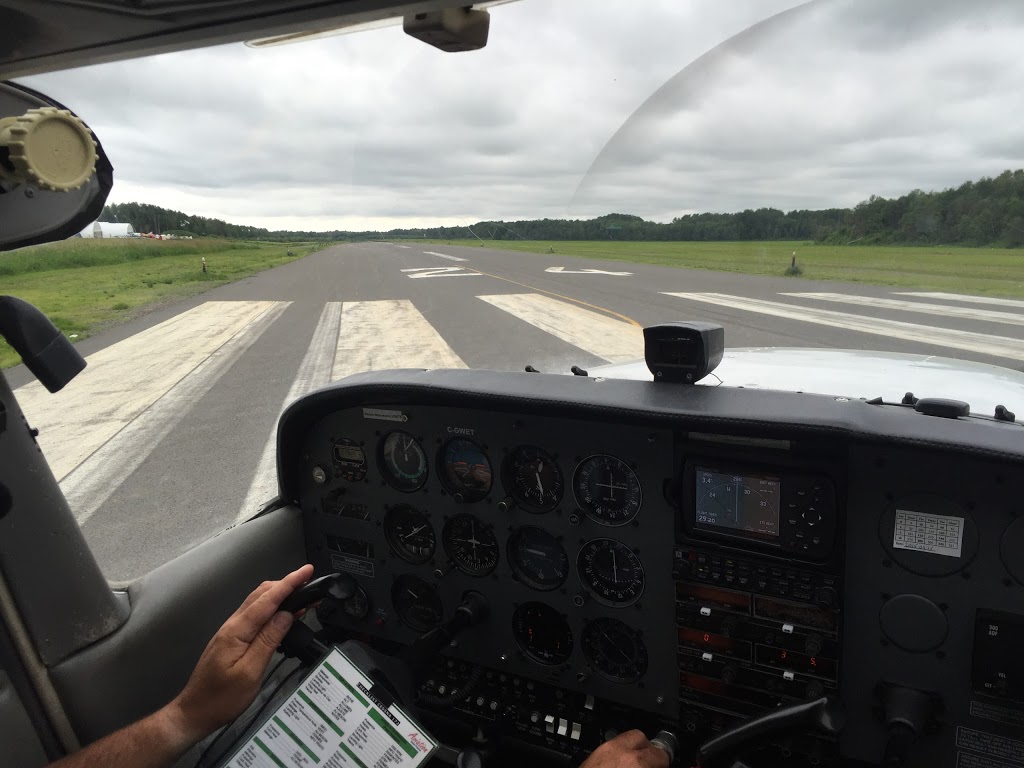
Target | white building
(101,229)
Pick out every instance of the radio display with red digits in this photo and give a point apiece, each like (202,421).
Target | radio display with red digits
(708,641)
(798,662)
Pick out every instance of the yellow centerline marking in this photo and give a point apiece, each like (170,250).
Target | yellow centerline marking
(582,303)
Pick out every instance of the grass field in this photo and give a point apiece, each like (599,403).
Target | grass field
(85,286)
(995,271)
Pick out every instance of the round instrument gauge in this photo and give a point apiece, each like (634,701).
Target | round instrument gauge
(615,650)
(607,490)
(402,461)
(416,602)
(542,633)
(409,533)
(465,470)
(349,460)
(532,478)
(611,572)
(537,558)
(471,545)
(357,606)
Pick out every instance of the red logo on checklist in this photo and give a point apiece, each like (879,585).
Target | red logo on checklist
(418,742)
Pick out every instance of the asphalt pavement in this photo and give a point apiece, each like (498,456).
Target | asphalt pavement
(166,438)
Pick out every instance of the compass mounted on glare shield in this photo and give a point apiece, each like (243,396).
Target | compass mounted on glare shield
(683,352)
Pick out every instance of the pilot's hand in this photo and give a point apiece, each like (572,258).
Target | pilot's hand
(627,750)
(228,675)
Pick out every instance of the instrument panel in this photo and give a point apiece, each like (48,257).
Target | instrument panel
(423,504)
(642,574)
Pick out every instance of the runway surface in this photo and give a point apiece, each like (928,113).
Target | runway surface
(168,436)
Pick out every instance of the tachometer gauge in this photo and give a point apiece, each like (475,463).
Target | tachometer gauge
(349,460)
(537,558)
(533,479)
(615,650)
(542,633)
(607,490)
(402,461)
(409,533)
(465,470)
(611,572)
(416,602)
(471,545)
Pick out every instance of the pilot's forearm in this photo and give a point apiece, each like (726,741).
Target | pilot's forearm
(153,742)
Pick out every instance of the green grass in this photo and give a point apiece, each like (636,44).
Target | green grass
(85,286)
(994,271)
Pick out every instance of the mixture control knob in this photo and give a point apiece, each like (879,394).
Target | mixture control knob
(48,147)
(825,597)
(813,645)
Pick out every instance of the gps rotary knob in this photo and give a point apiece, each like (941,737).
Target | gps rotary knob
(49,148)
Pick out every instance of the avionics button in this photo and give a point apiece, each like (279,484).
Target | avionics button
(706,656)
(589,703)
(576,730)
(787,675)
(705,611)
(563,726)
(787,629)
(549,723)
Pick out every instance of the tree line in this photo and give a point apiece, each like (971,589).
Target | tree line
(987,212)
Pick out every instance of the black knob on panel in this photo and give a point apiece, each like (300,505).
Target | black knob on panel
(813,645)
(729,674)
(825,597)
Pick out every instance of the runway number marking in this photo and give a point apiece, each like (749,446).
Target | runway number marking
(564,271)
(417,272)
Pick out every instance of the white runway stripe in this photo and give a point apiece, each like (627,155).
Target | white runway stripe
(314,372)
(593,332)
(92,482)
(126,378)
(377,335)
(445,256)
(995,301)
(943,310)
(981,343)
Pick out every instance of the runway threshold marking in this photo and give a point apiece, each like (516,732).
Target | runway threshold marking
(981,343)
(377,335)
(580,302)
(943,310)
(88,486)
(314,371)
(605,337)
(126,378)
(994,300)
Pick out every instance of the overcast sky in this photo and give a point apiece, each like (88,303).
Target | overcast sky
(575,108)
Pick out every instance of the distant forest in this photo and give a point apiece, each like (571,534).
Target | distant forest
(987,212)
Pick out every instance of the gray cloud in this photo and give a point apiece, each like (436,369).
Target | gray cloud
(575,108)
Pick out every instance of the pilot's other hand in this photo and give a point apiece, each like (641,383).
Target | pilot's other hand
(230,671)
(627,750)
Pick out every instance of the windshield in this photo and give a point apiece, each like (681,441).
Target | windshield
(840,179)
